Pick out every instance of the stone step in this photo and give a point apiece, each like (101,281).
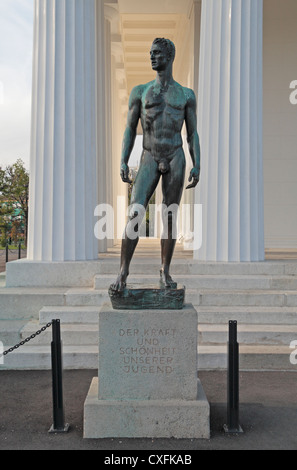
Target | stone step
(268,298)
(202,297)
(72,334)
(38,357)
(248,334)
(206,314)
(19,303)
(199,281)
(70,314)
(249,310)
(86,297)
(190,267)
(87,334)
(247,315)
(283,282)
(10,331)
(210,357)
(251,357)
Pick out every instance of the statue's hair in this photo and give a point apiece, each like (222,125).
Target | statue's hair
(168,45)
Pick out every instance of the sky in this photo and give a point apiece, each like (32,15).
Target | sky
(16,46)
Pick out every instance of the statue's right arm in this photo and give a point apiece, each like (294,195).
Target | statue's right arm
(130,131)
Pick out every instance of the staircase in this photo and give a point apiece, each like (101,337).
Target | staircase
(262,297)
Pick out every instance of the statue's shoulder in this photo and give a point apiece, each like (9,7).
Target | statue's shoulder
(189,95)
(147,86)
(138,91)
(135,96)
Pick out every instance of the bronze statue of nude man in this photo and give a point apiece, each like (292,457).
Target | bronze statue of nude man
(162,106)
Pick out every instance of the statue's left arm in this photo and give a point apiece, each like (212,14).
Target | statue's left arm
(192,137)
(130,131)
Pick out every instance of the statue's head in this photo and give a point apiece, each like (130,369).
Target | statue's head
(162,53)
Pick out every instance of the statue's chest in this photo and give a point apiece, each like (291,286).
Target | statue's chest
(156,102)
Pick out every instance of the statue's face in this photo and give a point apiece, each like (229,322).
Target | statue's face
(159,57)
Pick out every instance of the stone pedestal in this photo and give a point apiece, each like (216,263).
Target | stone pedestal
(147,384)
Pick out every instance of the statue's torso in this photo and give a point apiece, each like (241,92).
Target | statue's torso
(162,118)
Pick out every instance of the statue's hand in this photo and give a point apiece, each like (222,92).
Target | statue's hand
(125,173)
(194,176)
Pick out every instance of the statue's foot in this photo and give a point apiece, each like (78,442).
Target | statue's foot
(120,283)
(167,281)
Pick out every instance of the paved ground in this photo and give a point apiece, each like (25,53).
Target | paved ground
(268,414)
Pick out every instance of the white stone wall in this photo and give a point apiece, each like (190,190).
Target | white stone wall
(280,124)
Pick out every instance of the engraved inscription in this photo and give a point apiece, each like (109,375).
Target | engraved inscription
(147,354)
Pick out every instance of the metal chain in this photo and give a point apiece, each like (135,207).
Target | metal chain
(27,339)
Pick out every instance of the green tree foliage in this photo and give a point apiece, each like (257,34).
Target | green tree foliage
(14,194)
(6,212)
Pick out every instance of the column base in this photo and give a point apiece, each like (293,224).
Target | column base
(179,419)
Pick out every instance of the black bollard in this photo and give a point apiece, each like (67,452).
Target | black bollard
(6,252)
(59,425)
(20,250)
(232,425)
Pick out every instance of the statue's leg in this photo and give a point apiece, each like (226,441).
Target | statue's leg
(172,187)
(144,186)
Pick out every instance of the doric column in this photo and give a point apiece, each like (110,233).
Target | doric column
(63,183)
(230,128)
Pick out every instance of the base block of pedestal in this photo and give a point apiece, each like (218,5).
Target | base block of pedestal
(179,419)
